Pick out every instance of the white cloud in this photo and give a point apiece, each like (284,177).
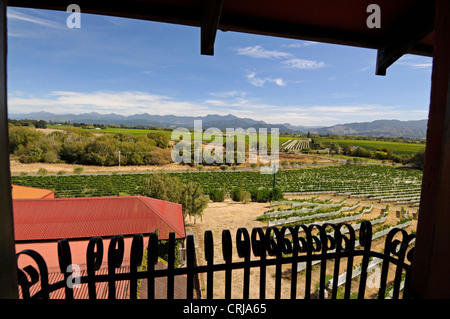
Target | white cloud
(255,81)
(225,94)
(300,44)
(364,69)
(216,102)
(277,81)
(13,14)
(419,65)
(259,82)
(415,62)
(257,51)
(303,64)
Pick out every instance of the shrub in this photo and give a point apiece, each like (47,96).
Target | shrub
(42,171)
(217,195)
(235,193)
(21,135)
(254,194)
(159,157)
(50,156)
(418,160)
(78,170)
(161,139)
(381,155)
(276,194)
(223,167)
(263,195)
(244,197)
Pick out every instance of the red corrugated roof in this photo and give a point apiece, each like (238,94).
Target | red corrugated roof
(56,218)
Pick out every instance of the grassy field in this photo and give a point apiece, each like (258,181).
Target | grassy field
(395,147)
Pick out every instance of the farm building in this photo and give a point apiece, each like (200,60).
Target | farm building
(40,223)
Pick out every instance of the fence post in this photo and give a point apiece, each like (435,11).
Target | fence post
(259,250)
(65,259)
(209,257)
(365,240)
(191,264)
(243,248)
(94,258)
(115,258)
(136,255)
(171,266)
(227,256)
(152,259)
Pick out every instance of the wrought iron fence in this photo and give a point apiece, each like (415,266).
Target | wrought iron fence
(306,245)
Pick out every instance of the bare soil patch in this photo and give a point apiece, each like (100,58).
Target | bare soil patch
(233,215)
(16,167)
(53,168)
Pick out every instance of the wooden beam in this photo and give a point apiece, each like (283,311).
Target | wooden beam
(430,278)
(412,26)
(8,265)
(210,20)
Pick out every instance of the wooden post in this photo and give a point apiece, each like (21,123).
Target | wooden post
(430,278)
(8,265)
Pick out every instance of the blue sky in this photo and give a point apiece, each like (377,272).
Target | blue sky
(125,66)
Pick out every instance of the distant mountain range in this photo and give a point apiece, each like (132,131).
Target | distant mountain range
(387,128)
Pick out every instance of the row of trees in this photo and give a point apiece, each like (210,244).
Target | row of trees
(30,123)
(238,194)
(76,146)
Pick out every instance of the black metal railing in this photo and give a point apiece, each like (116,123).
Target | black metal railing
(312,246)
